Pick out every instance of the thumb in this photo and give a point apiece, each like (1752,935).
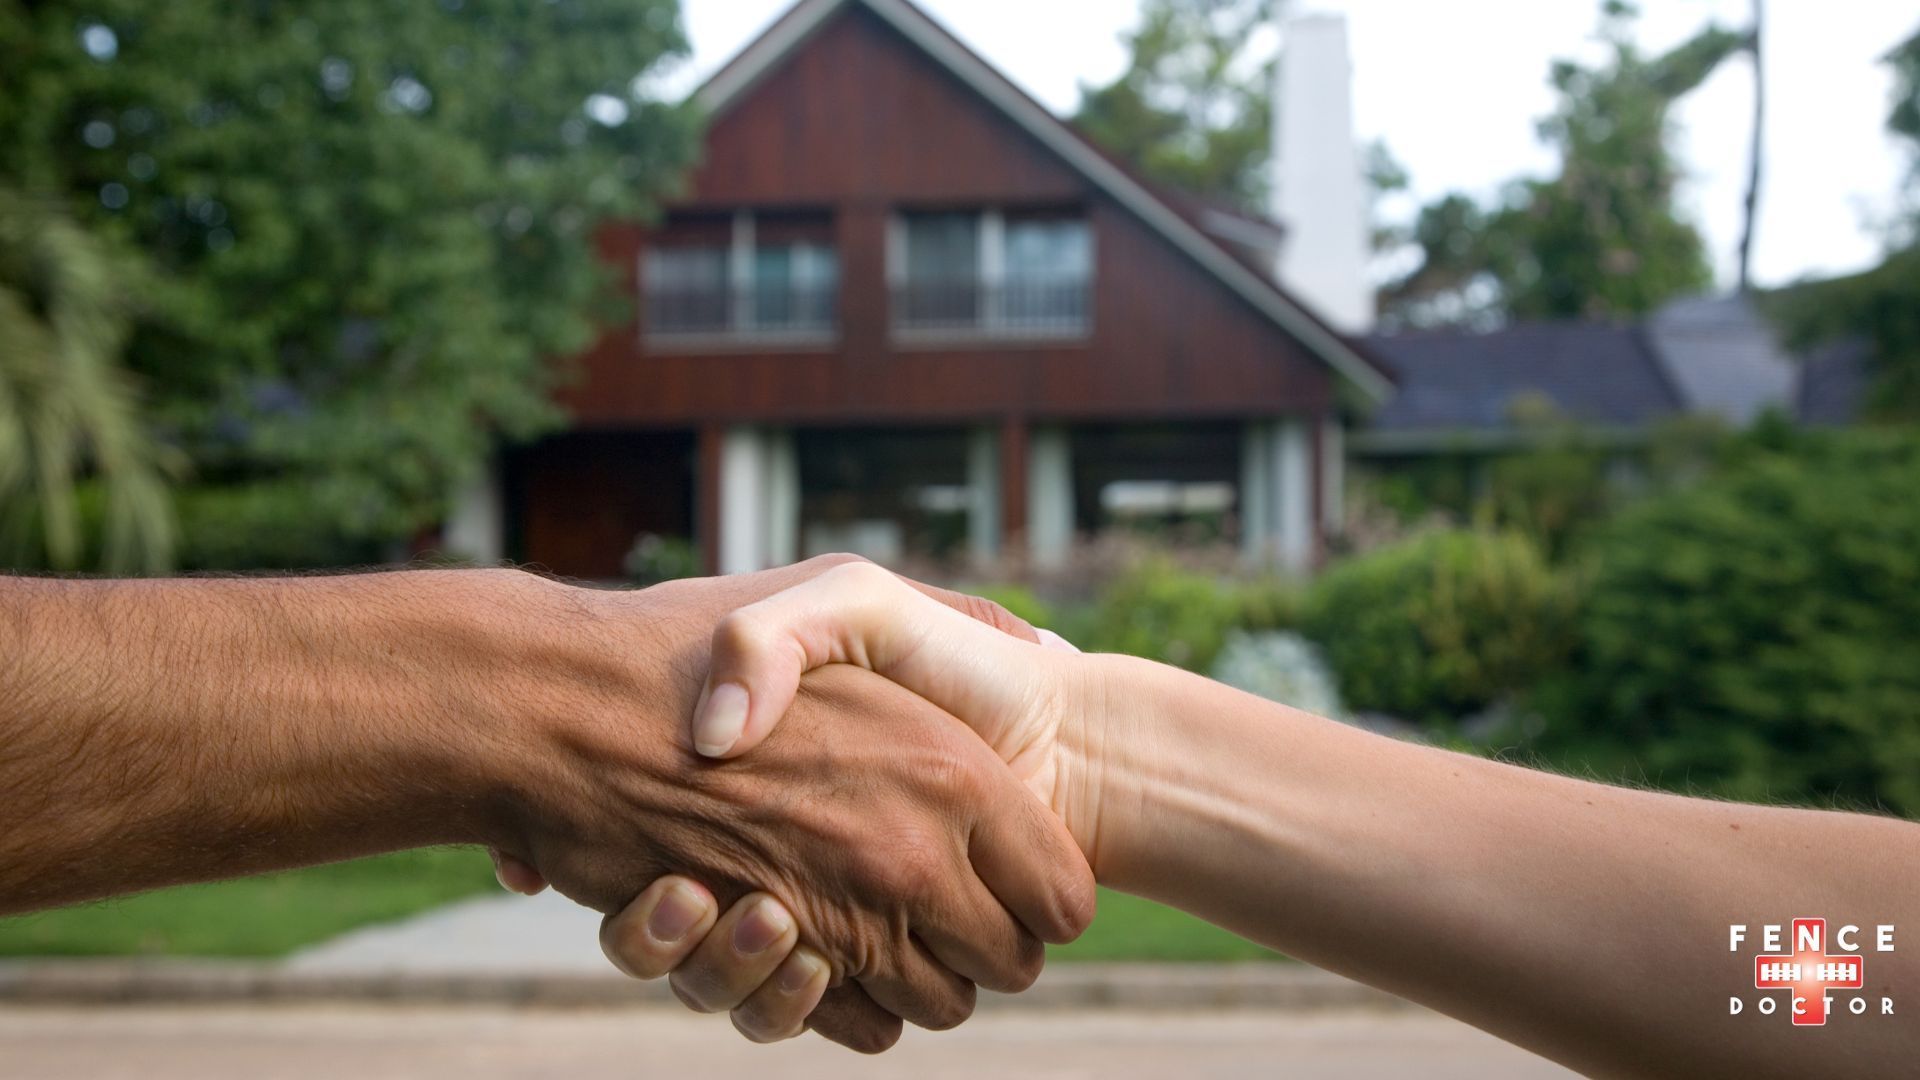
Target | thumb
(859,614)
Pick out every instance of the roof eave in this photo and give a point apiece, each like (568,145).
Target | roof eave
(1367,385)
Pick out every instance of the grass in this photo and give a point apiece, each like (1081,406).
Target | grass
(269,915)
(275,914)
(1129,928)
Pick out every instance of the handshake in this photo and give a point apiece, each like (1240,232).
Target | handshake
(808,844)
(881,860)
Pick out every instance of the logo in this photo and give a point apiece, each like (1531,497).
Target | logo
(1803,965)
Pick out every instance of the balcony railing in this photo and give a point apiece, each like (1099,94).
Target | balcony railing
(805,312)
(1015,308)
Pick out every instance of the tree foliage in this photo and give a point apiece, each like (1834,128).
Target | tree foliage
(1194,108)
(1756,633)
(1880,305)
(1600,239)
(70,425)
(370,224)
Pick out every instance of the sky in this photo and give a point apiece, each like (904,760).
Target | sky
(1454,89)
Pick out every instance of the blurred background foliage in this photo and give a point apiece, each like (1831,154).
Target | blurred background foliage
(340,247)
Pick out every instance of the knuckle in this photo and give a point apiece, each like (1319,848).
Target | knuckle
(739,634)
(950,1010)
(758,1028)
(835,559)
(861,576)
(625,945)
(909,869)
(1075,903)
(1023,968)
(990,612)
(694,990)
(868,1038)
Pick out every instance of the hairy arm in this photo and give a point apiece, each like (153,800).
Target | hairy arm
(158,732)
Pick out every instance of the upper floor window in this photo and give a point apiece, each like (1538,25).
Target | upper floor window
(1000,272)
(742,275)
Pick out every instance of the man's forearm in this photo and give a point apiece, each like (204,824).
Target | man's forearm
(1587,922)
(155,732)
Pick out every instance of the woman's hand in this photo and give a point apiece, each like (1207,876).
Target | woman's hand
(1029,702)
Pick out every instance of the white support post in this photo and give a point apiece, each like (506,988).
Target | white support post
(783,499)
(476,527)
(1049,498)
(1293,496)
(983,492)
(743,467)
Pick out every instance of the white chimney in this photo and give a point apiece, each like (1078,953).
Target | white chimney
(1319,188)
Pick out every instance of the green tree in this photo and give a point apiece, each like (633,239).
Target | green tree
(1600,239)
(1755,633)
(1194,108)
(371,225)
(70,425)
(1881,305)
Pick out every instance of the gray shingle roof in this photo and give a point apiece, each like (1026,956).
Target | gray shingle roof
(1450,381)
(1833,383)
(1725,359)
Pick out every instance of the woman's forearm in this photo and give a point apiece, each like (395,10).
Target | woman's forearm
(1590,923)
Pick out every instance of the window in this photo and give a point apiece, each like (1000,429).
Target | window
(994,272)
(1048,265)
(742,275)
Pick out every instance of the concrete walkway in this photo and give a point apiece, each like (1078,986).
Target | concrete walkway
(499,934)
(392,1042)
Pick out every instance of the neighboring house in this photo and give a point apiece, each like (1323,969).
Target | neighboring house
(903,309)
(1464,394)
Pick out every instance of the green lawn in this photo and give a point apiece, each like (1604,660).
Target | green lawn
(278,913)
(268,915)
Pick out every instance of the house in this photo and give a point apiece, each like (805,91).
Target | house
(903,309)
(1464,397)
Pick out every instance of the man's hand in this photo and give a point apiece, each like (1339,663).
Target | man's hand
(275,723)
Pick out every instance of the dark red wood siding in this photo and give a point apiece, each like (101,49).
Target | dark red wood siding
(860,122)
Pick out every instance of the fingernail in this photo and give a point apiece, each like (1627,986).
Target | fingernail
(719,724)
(767,923)
(799,970)
(1051,640)
(678,911)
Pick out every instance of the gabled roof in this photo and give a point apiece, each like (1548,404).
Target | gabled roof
(1460,388)
(733,81)
(1726,360)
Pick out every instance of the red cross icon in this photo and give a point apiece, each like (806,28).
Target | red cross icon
(1809,971)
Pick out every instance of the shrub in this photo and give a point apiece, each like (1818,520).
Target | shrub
(1161,612)
(1017,599)
(1759,633)
(1441,625)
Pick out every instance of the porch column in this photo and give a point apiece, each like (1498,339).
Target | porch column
(476,524)
(759,499)
(1256,489)
(1049,498)
(743,470)
(983,493)
(1292,489)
